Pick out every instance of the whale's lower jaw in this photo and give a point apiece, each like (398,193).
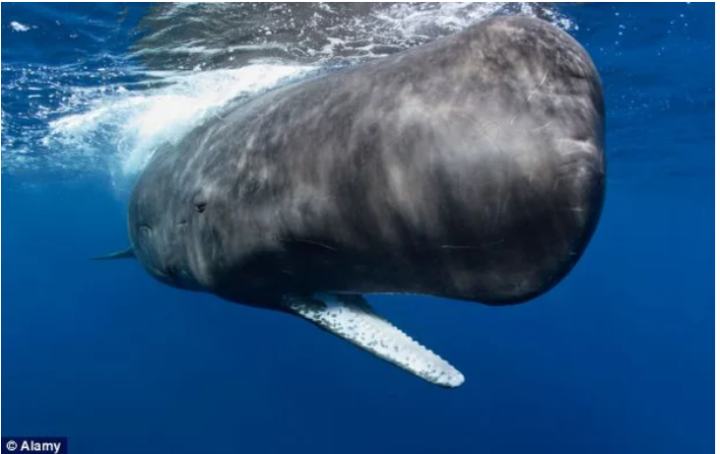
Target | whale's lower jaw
(351,318)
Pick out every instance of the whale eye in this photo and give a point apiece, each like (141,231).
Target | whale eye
(200,202)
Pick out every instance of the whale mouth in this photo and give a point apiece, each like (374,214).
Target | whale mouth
(350,317)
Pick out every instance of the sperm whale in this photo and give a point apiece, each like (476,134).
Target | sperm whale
(469,168)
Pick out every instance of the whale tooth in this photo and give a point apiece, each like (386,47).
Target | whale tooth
(351,318)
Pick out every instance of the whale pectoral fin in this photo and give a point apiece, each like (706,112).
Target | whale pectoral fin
(126,254)
(352,318)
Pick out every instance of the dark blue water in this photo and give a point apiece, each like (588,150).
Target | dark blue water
(619,358)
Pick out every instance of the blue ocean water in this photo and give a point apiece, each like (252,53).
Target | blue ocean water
(618,358)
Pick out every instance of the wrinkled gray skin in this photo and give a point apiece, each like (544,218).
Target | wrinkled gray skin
(470,168)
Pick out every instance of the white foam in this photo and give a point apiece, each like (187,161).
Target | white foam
(18,27)
(135,123)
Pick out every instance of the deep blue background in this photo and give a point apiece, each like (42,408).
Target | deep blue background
(619,358)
